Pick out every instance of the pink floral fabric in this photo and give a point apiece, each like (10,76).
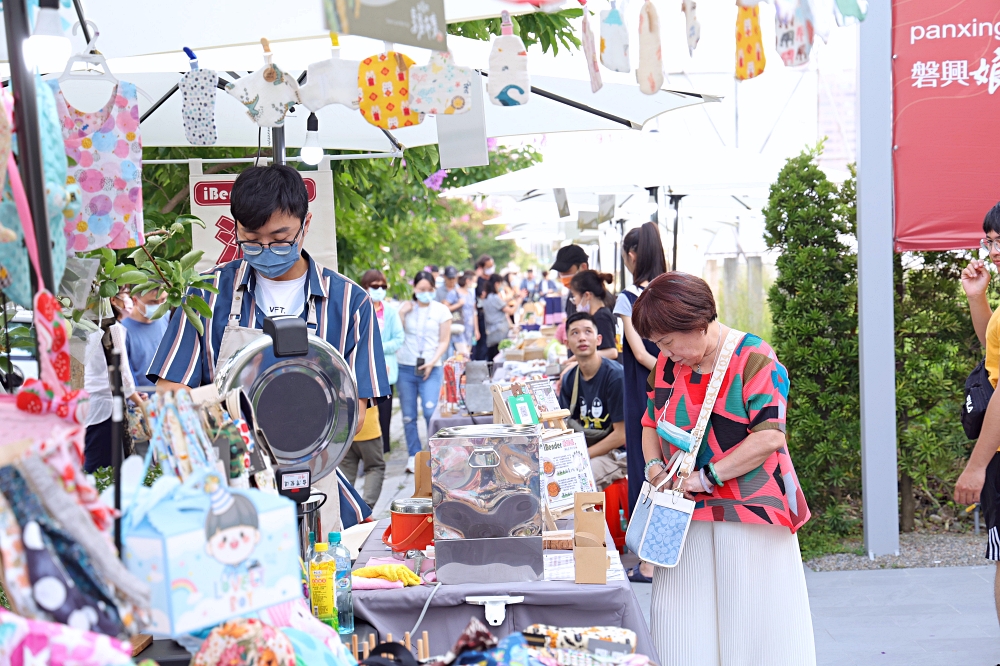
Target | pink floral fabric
(24,642)
(104,153)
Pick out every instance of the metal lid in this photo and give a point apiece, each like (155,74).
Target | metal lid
(306,406)
(412,505)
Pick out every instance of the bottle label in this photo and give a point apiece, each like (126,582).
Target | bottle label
(321,587)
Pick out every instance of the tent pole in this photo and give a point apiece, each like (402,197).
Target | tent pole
(18,29)
(675,201)
(278,145)
(78,6)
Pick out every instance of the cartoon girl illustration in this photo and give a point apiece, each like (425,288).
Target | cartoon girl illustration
(231,529)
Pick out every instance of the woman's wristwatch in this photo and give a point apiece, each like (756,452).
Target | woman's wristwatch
(654,461)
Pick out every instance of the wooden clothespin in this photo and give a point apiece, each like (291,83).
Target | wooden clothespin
(271,75)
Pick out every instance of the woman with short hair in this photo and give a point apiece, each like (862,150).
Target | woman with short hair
(740,572)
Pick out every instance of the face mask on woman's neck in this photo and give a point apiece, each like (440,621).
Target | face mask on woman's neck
(584,306)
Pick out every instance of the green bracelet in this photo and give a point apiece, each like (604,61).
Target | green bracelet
(715,475)
(654,461)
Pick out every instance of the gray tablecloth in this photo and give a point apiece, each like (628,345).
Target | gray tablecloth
(557,603)
(438,421)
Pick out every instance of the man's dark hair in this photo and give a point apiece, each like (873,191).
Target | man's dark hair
(260,192)
(577,316)
(992,220)
(483,260)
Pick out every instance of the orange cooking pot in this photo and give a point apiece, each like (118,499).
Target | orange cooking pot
(411,526)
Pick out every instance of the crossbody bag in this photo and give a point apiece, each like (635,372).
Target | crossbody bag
(660,520)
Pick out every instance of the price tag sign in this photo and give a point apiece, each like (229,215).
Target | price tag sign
(295,481)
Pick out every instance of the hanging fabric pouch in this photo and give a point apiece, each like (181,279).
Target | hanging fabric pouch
(614,40)
(692,28)
(267,94)
(198,89)
(384,88)
(590,53)
(509,83)
(332,81)
(750,58)
(441,88)
(62,201)
(793,32)
(649,73)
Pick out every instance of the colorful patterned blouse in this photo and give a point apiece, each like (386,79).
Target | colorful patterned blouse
(753,398)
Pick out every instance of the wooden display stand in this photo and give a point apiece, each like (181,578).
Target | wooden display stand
(553,421)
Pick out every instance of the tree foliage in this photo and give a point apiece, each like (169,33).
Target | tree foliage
(813,307)
(548,30)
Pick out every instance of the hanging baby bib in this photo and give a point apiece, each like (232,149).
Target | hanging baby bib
(385,91)
(509,83)
(590,53)
(441,87)
(198,106)
(793,32)
(692,28)
(614,40)
(649,73)
(750,60)
(332,81)
(267,94)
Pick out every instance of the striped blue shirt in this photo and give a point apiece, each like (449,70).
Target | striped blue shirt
(345,318)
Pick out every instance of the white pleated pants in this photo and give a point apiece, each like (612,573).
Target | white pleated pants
(737,598)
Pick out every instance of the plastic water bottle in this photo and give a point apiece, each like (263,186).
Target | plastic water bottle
(345,600)
(322,585)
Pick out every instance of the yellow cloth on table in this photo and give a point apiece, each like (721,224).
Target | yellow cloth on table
(391,572)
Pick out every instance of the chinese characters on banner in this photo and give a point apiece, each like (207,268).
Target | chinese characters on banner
(414,22)
(946,96)
(210,204)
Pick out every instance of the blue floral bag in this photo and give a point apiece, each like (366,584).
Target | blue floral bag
(660,520)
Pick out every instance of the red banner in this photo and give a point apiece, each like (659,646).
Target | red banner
(946,99)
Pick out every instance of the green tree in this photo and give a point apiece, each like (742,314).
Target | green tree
(936,347)
(813,307)
(549,30)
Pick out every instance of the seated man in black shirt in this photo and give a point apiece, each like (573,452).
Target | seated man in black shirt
(593,392)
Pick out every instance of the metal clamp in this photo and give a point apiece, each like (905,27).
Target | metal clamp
(496,606)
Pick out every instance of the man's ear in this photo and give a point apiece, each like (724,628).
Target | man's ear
(305,224)
(600,338)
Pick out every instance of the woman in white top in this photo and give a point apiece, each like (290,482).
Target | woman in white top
(427,324)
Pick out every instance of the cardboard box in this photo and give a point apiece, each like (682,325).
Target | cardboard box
(590,550)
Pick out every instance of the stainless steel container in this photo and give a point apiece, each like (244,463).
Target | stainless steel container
(487,503)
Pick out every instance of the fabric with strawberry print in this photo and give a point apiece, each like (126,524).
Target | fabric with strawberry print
(104,154)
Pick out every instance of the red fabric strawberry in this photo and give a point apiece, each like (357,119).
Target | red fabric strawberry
(60,363)
(58,337)
(29,402)
(47,305)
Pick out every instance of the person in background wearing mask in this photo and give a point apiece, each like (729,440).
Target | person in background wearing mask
(276,276)
(450,280)
(391,327)
(485,267)
(463,301)
(570,260)
(588,294)
(428,331)
(146,326)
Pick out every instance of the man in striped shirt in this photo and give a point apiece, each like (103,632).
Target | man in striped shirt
(275,277)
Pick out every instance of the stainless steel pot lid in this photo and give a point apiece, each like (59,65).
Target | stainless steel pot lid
(412,505)
(306,406)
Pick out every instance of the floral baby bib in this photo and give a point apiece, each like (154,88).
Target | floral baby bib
(104,153)
(793,32)
(649,73)
(614,40)
(441,86)
(385,91)
(750,60)
(267,94)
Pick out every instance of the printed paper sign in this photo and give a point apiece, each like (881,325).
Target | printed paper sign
(414,22)
(210,203)
(565,470)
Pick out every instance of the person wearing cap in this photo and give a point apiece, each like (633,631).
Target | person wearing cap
(570,260)
(450,279)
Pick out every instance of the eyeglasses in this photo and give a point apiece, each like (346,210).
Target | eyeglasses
(377,286)
(990,244)
(280,248)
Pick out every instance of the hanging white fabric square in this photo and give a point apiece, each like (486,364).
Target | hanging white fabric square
(692,28)
(590,53)
(614,41)
(441,87)
(509,83)
(198,89)
(332,81)
(649,73)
